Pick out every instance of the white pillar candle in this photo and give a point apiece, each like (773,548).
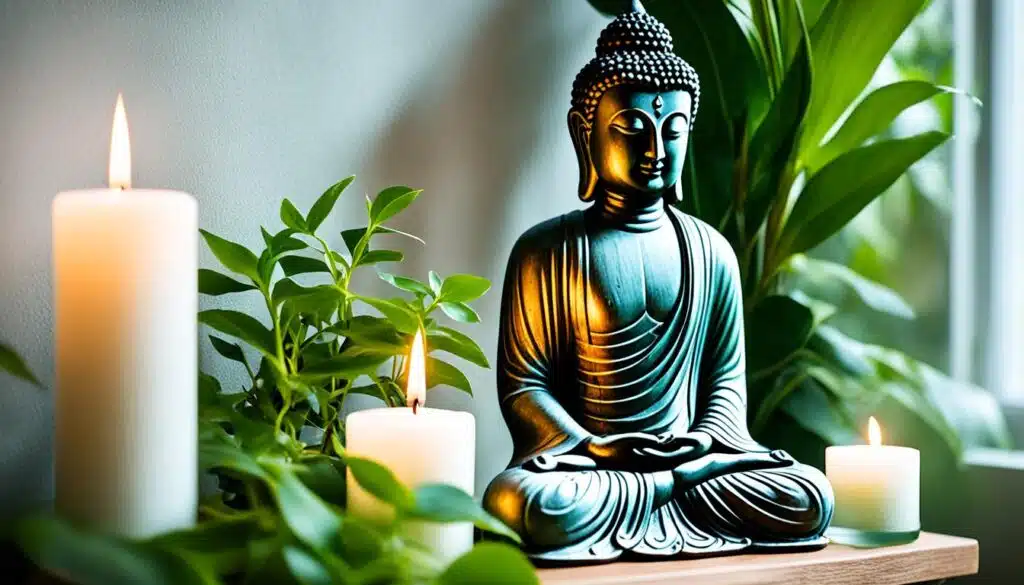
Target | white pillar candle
(125,280)
(425,445)
(877,487)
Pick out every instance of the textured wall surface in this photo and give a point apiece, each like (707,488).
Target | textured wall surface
(243,102)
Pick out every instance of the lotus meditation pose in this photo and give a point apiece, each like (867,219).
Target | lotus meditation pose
(621,368)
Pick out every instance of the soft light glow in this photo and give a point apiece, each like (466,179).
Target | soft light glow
(120,172)
(874,432)
(416,389)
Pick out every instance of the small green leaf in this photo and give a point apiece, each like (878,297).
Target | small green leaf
(397,311)
(460,312)
(436,282)
(458,344)
(306,567)
(12,363)
(390,202)
(232,351)
(348,364)
(293,265)
(378,256)
(379,482)
(308,517)
(843,188)
(493,563)
(323,206)
(463,288)
(215,284)
(351,238)
(437,502)
(441,373)
(234,257)
(407,284)
(240,326)
(283,242)
(375,334)
(91,558)
(221,454)
(292,218)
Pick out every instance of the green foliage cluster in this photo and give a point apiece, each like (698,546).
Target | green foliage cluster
(13,364)
(277,447)
(789,147)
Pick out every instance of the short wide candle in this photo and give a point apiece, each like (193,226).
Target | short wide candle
(877,490)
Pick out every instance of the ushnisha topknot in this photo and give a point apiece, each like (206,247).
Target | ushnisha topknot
(634,49)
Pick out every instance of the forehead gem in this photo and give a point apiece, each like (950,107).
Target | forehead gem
(658,103)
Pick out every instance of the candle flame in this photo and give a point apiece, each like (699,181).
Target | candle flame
(120,171)
(874,432)
(416,386)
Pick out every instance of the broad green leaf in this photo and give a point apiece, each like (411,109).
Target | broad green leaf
(240,326)
(292,217)
(323,206)
(777,327)
(220,454)
(407,284)
(460,312)
(379,482)
(872,116)
(846,185)
(361,543)
(12,363)
(397,311)
(772,147)
(235,257)
(91,558)
(293,265)
(873,294)
(435,281)
(215,284)
(369,390)
(308,517)
(378,256)
(232,351)
(848,42)
(352,236)
(814,408)
(458,344)
(390,202)
(463,288)
(441,373)
(437,502)
(493,563)
(347,364)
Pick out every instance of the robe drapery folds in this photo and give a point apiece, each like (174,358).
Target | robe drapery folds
(559,383)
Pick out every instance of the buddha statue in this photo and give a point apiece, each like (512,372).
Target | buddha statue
(621,371)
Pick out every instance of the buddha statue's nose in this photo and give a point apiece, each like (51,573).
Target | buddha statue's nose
(656,149)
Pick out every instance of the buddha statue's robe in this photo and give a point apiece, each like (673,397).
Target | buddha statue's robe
(560,382)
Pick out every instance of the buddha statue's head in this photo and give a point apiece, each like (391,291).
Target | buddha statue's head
(632,108)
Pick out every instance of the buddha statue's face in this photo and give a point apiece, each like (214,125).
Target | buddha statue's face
(638,139)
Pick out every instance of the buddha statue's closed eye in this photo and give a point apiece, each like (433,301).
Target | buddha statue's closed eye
(621,369)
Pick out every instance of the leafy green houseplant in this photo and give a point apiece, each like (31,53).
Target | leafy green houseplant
(277,447)
(788,148)
(13,364)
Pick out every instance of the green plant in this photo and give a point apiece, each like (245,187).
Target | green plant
(787,149)
(277,447)
(13,364)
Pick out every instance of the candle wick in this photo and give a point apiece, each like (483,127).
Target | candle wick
(415,405)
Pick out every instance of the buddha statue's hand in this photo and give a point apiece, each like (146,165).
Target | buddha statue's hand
(715,465)
(644,451)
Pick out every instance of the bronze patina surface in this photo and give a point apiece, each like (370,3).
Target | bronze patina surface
(621,369)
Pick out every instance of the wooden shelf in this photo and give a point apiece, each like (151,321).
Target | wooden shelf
(932,557)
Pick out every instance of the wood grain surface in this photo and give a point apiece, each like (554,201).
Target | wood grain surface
(932,557)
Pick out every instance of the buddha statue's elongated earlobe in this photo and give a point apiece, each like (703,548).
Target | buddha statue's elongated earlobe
(579,131)
(677,191)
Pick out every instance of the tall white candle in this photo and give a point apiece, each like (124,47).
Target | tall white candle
(877,488)
(424,445)
(125,266)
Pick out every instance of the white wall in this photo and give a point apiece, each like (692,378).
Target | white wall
(243,102)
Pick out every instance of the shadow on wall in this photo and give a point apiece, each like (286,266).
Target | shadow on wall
(468,141)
